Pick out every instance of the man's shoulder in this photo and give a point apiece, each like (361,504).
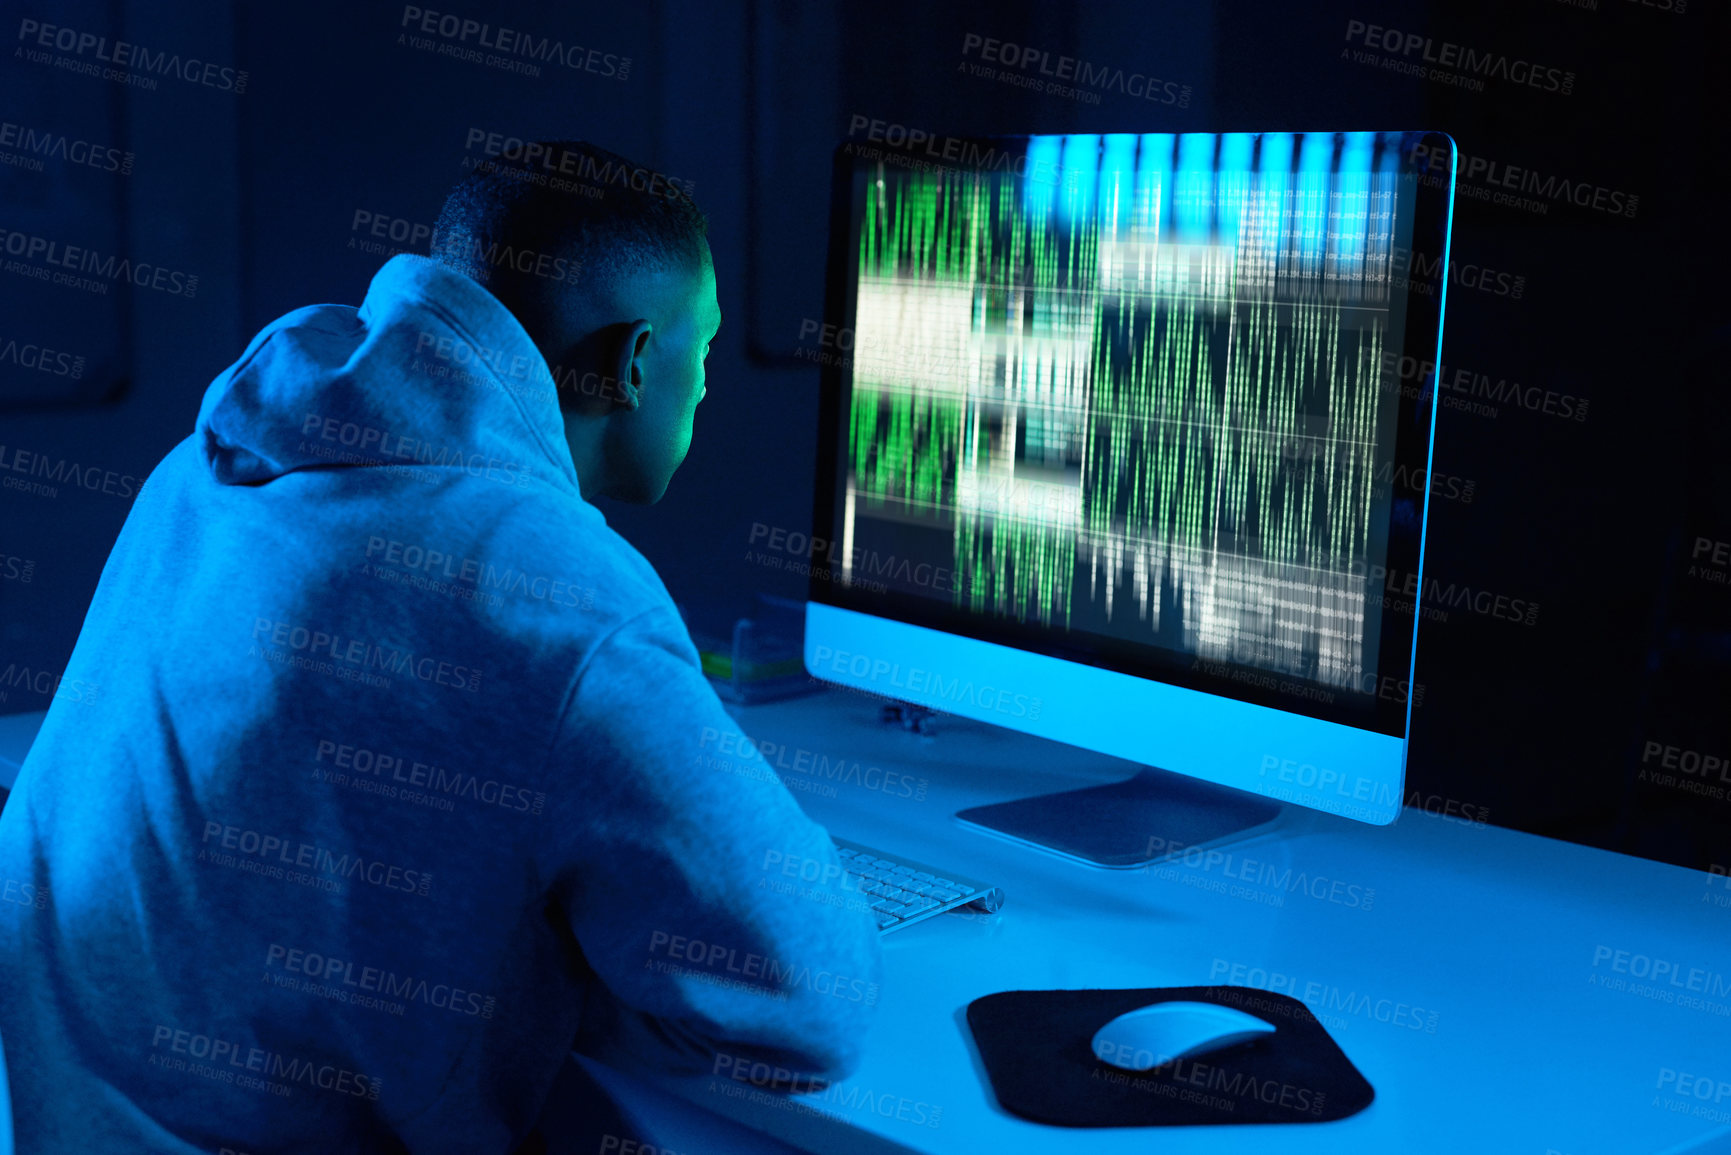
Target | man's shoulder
(555,548)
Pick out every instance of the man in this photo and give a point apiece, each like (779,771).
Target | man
(403,768)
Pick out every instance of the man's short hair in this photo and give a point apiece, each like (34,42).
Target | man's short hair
(564,215)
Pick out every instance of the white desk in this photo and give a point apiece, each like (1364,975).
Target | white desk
(1533,1046)
(1500,946)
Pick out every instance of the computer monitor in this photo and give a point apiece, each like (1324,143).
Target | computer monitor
(1117,449)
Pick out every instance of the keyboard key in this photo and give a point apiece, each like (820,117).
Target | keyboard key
(883,863)
(944,882)
(884,905)
(887,920)
(920,906)
(922,876)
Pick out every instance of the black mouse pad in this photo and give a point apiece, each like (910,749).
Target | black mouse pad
(1038,1051)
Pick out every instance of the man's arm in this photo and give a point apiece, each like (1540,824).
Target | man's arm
(672,863)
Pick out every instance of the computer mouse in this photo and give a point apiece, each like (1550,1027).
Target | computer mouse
(1148,1037)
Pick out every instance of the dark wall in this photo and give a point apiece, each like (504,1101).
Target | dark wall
(1580,454)
(1582,433)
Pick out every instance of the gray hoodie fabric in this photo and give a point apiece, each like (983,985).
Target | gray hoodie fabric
(383,767)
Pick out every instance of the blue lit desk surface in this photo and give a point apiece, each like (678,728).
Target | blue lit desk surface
(1511,1038)
(1534,1047)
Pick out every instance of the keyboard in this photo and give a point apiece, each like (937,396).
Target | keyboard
(903,892)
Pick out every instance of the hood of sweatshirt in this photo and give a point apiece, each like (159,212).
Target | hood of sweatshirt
(325,387)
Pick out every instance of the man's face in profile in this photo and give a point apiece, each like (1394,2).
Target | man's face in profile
(651,338)
(653,439)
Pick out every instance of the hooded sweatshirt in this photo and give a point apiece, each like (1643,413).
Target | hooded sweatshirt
(383,767)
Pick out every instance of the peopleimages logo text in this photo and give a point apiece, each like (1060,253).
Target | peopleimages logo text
(1521,179)
(123,54)
(269,1064)
(42,359)
(963,153)
(361,653)
(378,980)
(556,159)
(760,969)
(386,446)
(924,684)
(509,43)
(1447,54)
(92,477)
(275,849)
(81,259)
(1070,69)
(45,142)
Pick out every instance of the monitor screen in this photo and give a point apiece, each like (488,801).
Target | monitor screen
(1135,401)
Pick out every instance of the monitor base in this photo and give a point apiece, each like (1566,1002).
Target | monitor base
(1129,824)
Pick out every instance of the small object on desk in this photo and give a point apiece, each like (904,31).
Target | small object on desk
(903,892)
(913,718)
(763,659)
(1150,1037)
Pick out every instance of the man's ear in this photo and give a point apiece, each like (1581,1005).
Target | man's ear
(628,362)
